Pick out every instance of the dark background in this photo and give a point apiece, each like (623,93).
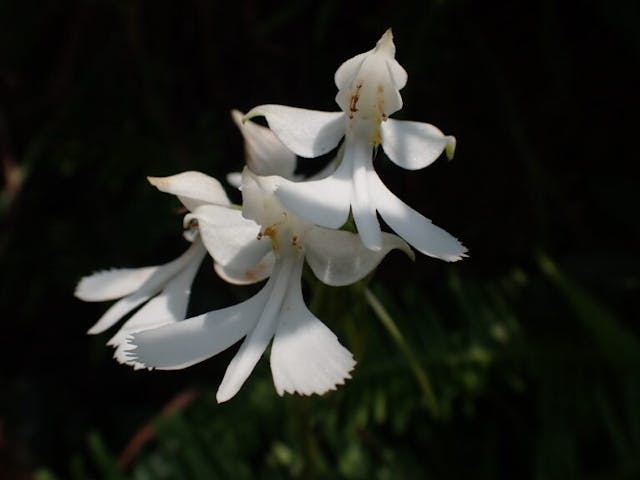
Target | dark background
(531,344)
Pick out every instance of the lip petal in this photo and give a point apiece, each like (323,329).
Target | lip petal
(182,344)
(259,337)
(306,356)
(413,227)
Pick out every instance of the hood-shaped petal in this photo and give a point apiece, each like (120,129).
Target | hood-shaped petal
(308,133)
(182,344)
(306,357)
(192,188)
(369,84)
(286,272)
(416,229)
(112,284)
(348,71)
(265,154)
(396,71)
(340,258)
(414,145)
(231,239)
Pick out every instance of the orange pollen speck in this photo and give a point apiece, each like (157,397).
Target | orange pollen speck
(271,232)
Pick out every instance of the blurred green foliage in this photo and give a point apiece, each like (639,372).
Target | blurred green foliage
(530,347)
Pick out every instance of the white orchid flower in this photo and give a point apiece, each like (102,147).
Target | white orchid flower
(369,87)
(306,357)
(165,289)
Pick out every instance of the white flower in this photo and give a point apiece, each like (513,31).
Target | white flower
(306,357)
(369,92)
(164,290)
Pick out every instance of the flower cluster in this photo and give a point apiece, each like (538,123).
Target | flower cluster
(284,221)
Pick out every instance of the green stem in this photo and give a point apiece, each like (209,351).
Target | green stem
(418,370)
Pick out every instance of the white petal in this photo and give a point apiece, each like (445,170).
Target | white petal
(112,284)
(347,72)
(190,341)
(339,258)
(265,153)
(169,306)
(285,272)
(248,276)
(192,188)
(322,202)
(152,285)
(413,145)
(308,133)
(363,206)
(119,310)
(234,179)
(231,239)
(416,229)
(306,357)
(369,83)
(386,47)
(257,198)
(397,73)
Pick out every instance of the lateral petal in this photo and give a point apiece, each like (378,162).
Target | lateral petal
(151,286)
(340,258)
(112,284)
(119,309)
(413,145)
(416,229)
(168,307)
(308,133)
(192,188)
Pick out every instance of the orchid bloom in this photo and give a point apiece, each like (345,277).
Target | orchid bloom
(306,357)
(165,289)
(369,87)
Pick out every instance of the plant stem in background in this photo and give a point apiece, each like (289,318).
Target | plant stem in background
(418,370)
